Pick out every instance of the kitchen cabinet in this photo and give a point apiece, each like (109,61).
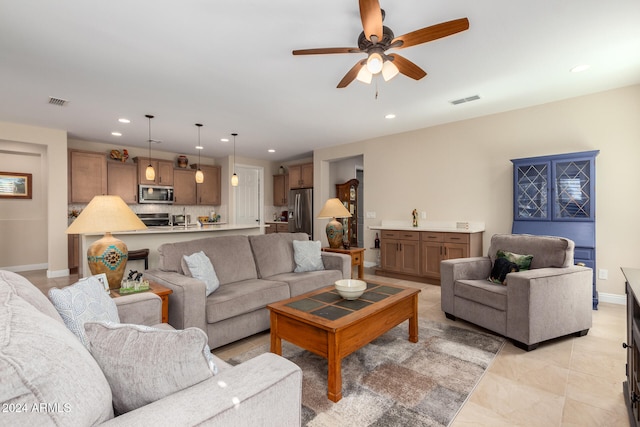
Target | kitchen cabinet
(400,251)
(163,168)
(280,190)
(184,187)
(301,176)
(122,179)
(277,227)
(348,195)
(87,175)
(209,192)
(556,195)
(436,247)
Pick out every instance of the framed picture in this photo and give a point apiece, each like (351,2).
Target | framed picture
(102,278)
(15,185)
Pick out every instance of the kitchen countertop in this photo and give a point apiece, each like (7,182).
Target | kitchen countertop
(192,228)
(438,226)
(276,222)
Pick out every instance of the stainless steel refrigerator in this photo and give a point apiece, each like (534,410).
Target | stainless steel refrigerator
(301,211)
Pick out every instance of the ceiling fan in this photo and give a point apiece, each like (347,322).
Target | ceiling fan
(376,39)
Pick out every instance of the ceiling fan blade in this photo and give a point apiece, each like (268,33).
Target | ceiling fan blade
(325,50)
(433,32)
(351,75)
(407,67)
(371,16)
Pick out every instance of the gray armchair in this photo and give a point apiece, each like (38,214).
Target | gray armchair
(551,299)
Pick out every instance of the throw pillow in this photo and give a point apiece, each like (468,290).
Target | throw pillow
(500,269)
(307,256)
(84,301)
(144,364)
(523,261)
(200,267)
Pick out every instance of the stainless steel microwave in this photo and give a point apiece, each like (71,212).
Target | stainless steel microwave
(155,194)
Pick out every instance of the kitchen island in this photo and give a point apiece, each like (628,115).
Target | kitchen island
(154,236)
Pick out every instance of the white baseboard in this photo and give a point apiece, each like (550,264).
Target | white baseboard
(612,298)
(28,267)
(57,273)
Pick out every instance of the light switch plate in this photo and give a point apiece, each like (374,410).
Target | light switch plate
(603,274)
(423,215)
(371,215)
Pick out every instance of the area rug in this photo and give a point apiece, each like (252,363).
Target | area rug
(393,382)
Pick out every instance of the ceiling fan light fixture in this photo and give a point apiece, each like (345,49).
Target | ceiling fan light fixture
(374,63)
(389,70)
(364,75)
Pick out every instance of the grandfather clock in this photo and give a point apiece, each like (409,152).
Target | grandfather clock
(348,195)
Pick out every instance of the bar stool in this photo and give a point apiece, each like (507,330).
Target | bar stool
(140,254)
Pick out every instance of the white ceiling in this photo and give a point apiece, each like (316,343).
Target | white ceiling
(228,65)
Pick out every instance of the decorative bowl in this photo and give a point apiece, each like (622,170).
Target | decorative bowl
(350,288)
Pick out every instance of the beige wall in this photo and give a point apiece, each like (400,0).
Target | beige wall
(462,170)
(32,232)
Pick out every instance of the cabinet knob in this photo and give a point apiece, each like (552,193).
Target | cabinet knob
(625,345)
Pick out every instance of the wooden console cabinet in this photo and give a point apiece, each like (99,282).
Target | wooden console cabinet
(631,387)
(416,255)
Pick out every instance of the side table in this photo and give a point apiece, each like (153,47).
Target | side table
(357,257)
(157,289)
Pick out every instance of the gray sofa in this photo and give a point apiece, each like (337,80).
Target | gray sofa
(49,378)
(552,299)
(254,271)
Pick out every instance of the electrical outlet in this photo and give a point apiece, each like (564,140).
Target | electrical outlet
(423,215)
(603,274)
(371,215)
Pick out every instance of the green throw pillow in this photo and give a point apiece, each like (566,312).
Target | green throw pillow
(522,261)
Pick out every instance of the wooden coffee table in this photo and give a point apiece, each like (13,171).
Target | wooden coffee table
(329,326)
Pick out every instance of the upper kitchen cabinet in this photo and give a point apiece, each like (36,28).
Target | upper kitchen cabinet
(163,168)
(122,179)
(280,190)
(301,176)
(209,192)
(184,187)
(87,175)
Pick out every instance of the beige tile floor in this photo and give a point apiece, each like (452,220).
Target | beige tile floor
(565,382)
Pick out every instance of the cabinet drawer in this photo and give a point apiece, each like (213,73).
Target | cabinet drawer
(456,237)
(431,236)
(389,234)
(409,235)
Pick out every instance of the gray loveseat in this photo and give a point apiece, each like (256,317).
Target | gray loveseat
(254,271)
(552,299)
(49,378)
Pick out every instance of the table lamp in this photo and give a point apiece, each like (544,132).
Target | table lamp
(107,214)
(334,208)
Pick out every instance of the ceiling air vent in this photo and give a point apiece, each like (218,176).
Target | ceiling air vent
(57,101)
(463,100)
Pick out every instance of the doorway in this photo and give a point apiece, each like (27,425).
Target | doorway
(249,194)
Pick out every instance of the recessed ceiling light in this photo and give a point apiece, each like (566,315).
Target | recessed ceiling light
(199,147)
(116,134)
(271,150)
(390,116)
(224,139)
(123,120)
(580,68)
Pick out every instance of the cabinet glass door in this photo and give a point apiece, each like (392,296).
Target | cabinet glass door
(532,182)
(572,198)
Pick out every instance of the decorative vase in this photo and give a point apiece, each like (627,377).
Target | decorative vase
(183,161)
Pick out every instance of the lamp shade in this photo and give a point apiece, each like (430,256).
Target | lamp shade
(106,214)
(108,255)
(334,208)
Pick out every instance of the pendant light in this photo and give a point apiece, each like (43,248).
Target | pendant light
(199,174)
(234,177)
(150,173)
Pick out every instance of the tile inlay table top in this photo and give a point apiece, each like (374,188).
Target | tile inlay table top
(324,323)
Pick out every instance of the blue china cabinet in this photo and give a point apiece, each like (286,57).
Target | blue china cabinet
(556,196)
